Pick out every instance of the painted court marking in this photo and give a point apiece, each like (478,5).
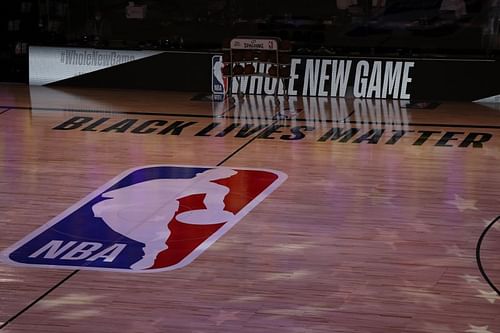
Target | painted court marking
(165,114)
(150,218)
(242,146)
(482,270)
(69,276)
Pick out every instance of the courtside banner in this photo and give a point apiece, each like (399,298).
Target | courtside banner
(386,78)
(51,64)
(336,77)
(317,76)
(148,219)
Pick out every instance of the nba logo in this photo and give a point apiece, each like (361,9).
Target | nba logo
(219,82)
(153,218)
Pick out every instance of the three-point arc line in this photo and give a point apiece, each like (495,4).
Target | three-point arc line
(478,255)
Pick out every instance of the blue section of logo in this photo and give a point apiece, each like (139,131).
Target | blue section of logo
(151,173)
(82,226)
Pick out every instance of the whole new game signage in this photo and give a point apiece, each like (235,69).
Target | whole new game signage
(416,79)
(322,77)
(392,78)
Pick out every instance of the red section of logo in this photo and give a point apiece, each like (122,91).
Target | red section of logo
(185,238)
(249,183)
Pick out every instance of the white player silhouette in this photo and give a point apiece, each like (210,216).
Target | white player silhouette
(217,72)
(142,211)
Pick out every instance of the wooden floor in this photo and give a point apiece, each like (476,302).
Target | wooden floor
(375,229)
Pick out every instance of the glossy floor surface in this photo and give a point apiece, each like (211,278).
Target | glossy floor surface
(376,228)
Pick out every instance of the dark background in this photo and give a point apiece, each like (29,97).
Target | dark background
(395,28)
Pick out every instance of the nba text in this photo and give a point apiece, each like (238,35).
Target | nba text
(73,250)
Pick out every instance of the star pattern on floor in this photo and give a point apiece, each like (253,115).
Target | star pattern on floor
(462,204)
(478,329)
(388,237)
(377,196)
(490,296)
(433,327)
(471,279)
(420,226)
(246,298)
(491,152)
(422,296)
(276,276)
(455,251)
(289,248)
(223,316)
(71,299)
(495,226)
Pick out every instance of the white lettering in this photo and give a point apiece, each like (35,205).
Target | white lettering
(53,249)
(269,84)
(311,77)
(256,81)
(392,79)
(323,77)
(293,77)
(375,85)
(340,77)
(109,254)
(360,80)
(82,251)
(406,79)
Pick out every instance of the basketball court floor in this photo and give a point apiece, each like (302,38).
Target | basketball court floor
(383,219)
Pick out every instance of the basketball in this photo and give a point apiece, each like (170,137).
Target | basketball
(238,70)
(249,69)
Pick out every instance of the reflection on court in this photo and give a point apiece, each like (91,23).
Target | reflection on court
(375,229)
